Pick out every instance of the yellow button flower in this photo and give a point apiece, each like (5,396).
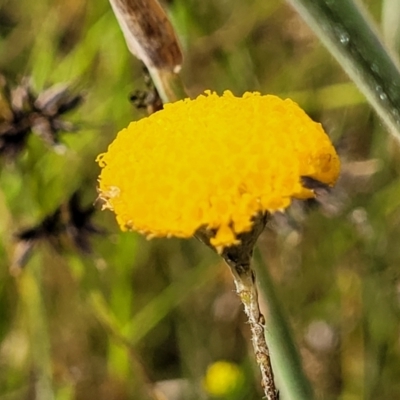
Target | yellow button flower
(214,162)
(223,378)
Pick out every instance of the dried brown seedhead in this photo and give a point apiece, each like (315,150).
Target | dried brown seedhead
(23,112)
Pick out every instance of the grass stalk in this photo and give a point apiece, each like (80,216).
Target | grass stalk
(30,287)
(150,36)
(168,84)
(286,362)
(390,22)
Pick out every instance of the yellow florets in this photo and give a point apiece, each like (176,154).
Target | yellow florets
(213,162)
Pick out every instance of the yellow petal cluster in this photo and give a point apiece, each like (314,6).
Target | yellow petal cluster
(215,162)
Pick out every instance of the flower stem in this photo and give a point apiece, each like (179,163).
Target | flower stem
(238,257)
(246,288)
(347,32)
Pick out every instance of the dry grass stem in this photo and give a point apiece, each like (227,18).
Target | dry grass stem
(148,33)
(150,36)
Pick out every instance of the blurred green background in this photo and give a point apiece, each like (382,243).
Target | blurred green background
(138,319)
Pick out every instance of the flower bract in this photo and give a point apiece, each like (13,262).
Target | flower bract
(213,162)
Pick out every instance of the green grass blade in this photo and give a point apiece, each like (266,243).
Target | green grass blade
(161,305)
(286,363)
(346,31)
(35,319)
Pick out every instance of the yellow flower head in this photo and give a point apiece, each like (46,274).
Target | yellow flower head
(223,378)
(214,162)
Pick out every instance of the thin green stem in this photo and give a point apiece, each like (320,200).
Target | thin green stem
(347,32)
(168,84)
(286,363)
(29,283)
(152,313)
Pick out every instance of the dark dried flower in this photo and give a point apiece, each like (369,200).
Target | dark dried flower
(69,223)
(23,112)
(78,224)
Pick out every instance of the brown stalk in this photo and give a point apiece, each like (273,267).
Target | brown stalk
(150,36)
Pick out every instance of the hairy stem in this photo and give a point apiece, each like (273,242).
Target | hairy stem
(246,288)
(238,257)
